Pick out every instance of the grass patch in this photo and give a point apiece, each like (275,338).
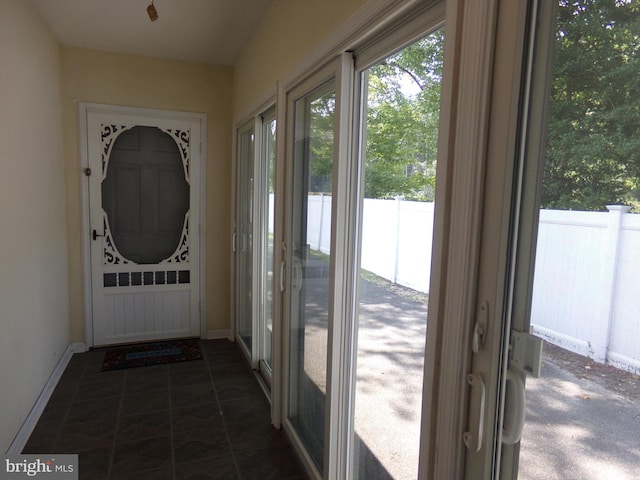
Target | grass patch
(379,281)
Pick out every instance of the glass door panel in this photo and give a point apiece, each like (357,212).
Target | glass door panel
(243,243)
(309,258)
(400,128)
(267,205)
(578,253)
(253,240)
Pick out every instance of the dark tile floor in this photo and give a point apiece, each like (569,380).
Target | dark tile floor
(204,419)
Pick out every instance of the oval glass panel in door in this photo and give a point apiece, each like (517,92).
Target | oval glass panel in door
(145,195)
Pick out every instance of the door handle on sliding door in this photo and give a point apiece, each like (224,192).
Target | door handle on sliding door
(296,275)
(96,234)
(473,437)
(282,270)
(514,409)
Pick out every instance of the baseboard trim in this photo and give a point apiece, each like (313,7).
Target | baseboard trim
(217,334)
(31,421)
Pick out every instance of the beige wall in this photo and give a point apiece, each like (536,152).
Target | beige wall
(289,31)
(33,242)
(92,76)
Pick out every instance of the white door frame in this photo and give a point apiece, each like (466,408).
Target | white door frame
(84,109)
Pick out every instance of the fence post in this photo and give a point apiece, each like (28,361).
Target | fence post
(321,222)
(613,246)
(396,250)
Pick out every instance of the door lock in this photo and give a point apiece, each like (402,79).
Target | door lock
(96,234)
(480,329)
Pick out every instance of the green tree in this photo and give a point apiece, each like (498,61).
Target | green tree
(593,147)
(321,143)
(402,121)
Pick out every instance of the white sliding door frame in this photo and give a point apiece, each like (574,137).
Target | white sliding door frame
(242,243)
(478,127)
(291,94)
(261,226)
(530,162)
(259,209)
(490,342)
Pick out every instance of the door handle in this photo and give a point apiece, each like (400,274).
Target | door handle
(96,234)
(282,270)
(515,405)
(473,437)
(296,275)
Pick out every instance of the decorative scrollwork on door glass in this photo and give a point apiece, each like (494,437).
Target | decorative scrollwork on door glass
(109,135)
(111,255)
(145,194)
(182,138)
(182,252)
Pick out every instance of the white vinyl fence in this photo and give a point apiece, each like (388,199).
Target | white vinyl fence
(397,235)
(586,295)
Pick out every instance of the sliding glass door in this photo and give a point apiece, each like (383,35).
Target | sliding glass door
(265,203)
(400,121)
(309,264)
(576,247)
(362,138)
(368,373)
(253,240)
(374,384)
(243,235)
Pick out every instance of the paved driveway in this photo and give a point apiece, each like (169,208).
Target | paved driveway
(576,429)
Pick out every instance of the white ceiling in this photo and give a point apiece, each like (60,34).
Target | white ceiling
(207,31)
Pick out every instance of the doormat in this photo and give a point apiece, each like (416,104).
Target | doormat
(151,354)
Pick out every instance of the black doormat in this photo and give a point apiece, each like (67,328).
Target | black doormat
(151,354)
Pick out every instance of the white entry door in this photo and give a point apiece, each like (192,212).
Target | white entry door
(143,172)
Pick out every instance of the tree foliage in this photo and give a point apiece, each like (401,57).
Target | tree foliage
(593,141)
(593,145)
(402,121)
(321,123)
(403,102)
